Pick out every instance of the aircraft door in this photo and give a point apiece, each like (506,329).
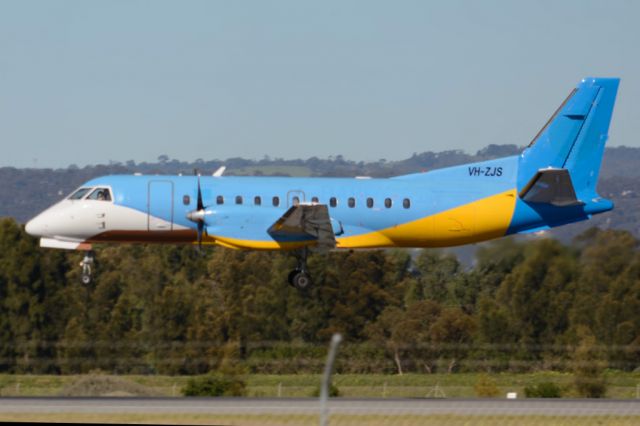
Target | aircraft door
(295,197)
(160,205)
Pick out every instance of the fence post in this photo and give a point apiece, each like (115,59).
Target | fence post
(326,379)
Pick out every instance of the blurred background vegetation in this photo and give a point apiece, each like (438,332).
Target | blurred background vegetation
(522,306)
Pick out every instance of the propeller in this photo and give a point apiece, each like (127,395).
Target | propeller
(198,215)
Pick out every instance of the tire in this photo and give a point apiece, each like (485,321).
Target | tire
(301,280)
(86,279)
(291,276)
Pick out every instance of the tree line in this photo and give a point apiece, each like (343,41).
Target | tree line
(522,306)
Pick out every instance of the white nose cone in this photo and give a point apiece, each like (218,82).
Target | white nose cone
(36,227)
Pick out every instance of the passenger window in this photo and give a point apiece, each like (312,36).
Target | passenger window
(80,193)
(257,200)
(186,200)
(369,202)
(333,201)
(406,203)
(276,201)
(295,201)
(219,200)
(388,203)
(315,200)
(238,199)
(351,202)
(100,194)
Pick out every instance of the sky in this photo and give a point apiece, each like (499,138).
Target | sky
(90,82)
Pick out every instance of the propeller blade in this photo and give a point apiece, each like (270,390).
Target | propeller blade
(200,205)
(200,228)
(197,215)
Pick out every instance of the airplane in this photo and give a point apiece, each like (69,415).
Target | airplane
(551,183)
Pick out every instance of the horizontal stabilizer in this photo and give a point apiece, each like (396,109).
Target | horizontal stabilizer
(306,221)
(551,186)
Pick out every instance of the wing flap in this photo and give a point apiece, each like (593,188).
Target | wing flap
(305,221)
(551,186)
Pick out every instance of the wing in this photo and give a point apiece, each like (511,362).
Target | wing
(305,221)
(551,186)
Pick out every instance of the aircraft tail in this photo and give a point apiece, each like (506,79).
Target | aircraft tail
(571,143)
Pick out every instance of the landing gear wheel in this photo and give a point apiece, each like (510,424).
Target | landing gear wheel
(299,277)
(301,280)
(86,263)
(291,275)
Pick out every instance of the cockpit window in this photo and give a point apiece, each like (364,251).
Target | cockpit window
(80,193)
(100,194)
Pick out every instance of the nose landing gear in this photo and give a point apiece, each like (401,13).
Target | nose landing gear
(299,277)
(87,262)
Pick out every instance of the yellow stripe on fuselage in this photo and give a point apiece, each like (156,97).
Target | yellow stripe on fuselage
(237,243)
(480,220)
(477,221)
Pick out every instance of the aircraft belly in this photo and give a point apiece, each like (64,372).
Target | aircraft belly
(133,236)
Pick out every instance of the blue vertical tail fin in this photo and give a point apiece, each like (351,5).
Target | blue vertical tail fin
(574,138)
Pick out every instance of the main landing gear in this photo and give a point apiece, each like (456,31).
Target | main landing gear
(87,262)
(299,277)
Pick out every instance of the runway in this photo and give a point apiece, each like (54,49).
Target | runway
(284,406)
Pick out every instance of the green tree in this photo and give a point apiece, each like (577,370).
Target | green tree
(452,335)
(30,286)
(605,255)
(607,293)
(534,299)
(438,273)
(588,366)
(406,335)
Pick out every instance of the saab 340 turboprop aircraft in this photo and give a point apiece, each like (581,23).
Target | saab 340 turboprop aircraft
(551,183)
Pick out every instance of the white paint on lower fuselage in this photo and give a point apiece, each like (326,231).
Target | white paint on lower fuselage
(80,220)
